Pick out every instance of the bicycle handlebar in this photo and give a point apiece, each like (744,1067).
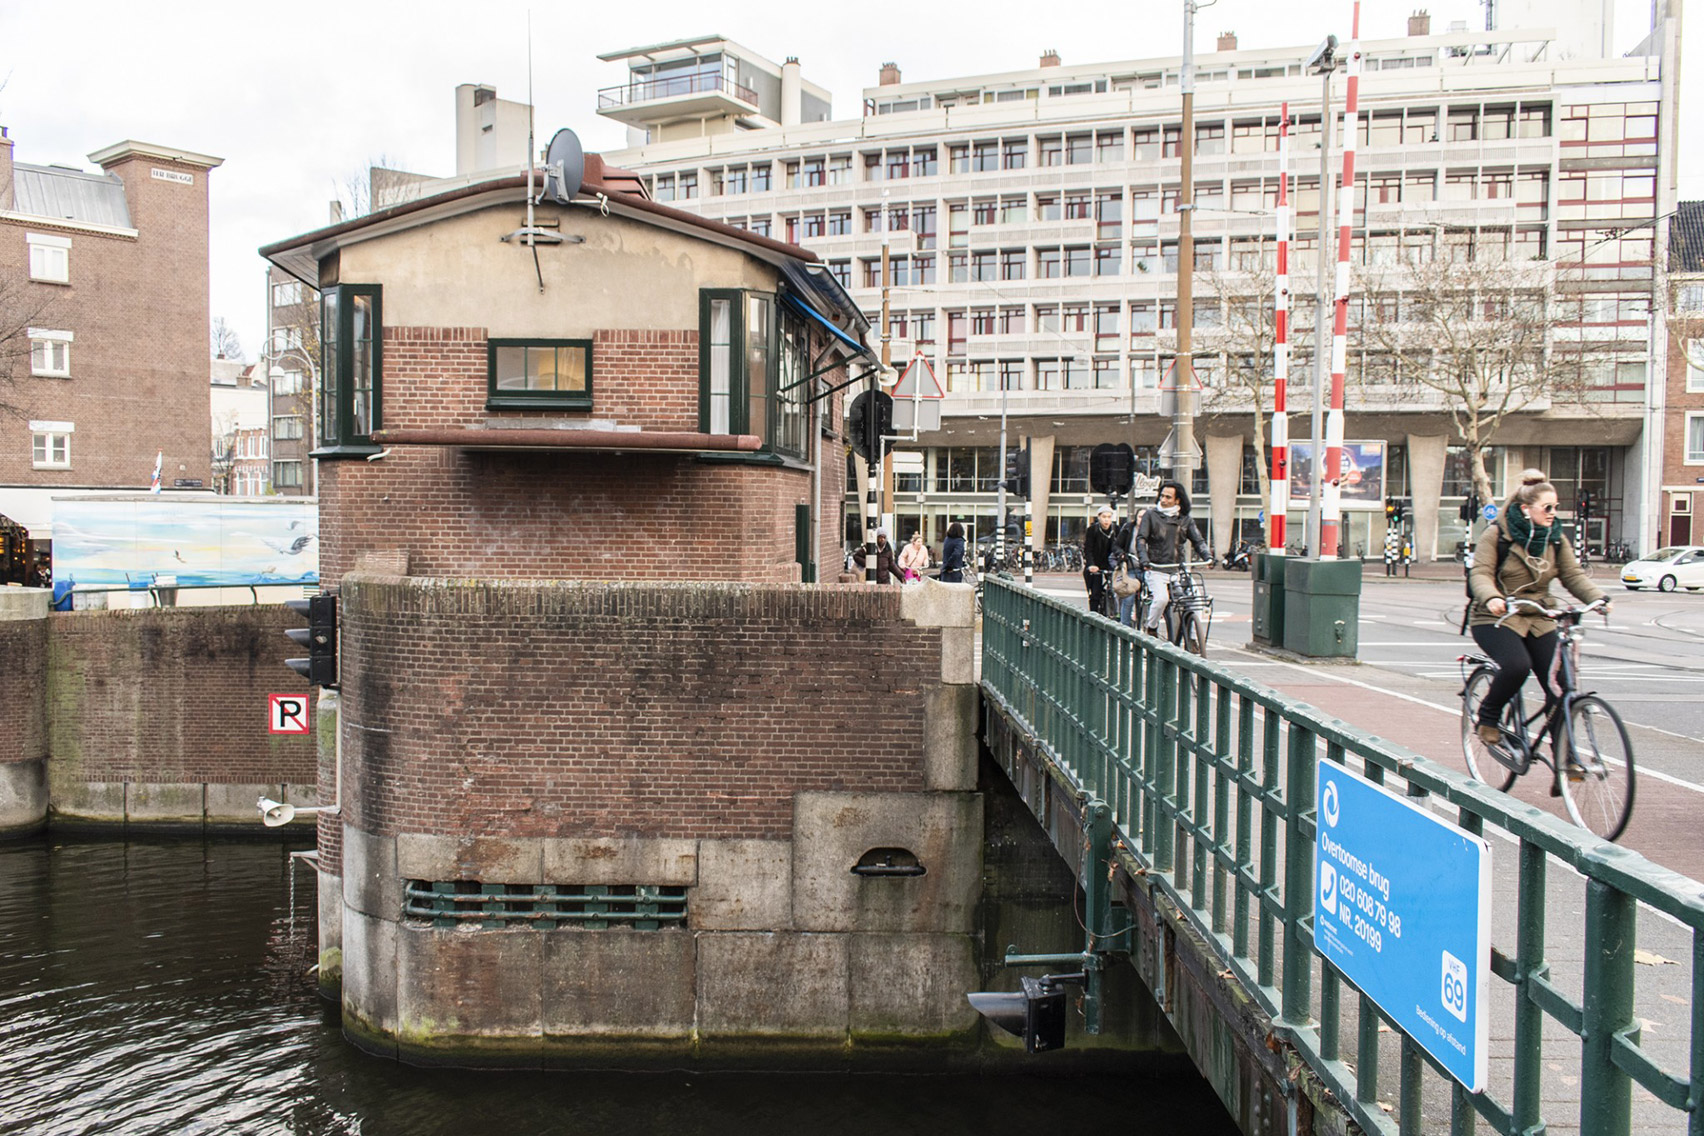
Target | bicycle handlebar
(1550,613)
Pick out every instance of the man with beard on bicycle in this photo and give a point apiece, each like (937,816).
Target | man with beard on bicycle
(1159,540)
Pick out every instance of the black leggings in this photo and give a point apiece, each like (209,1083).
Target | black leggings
(1516,657)
(1096,583)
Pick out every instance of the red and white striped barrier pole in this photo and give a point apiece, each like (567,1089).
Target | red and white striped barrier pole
(1278,508)
(1331,469)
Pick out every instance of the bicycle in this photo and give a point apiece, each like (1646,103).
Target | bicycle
(1188,614)
(1590,759)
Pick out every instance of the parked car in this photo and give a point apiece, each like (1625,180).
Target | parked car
(1667,569)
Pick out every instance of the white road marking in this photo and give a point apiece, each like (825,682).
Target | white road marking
(1455,712)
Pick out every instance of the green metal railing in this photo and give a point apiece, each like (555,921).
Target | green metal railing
(1211,780)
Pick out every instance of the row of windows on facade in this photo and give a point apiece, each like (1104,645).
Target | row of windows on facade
(1106,321)
(1580,195)
(1408,60)
(1630,253)
(977,470)
(754,370)
(1214,368)
(1627,129)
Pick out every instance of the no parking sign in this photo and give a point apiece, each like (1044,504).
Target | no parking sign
(287,713)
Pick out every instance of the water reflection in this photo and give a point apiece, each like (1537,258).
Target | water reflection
(162,986)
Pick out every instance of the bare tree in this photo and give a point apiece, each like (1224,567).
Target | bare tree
(21,308)
(378,183)
(1247,332)
(226,343)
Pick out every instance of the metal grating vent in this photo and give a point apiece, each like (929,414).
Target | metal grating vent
(544,907)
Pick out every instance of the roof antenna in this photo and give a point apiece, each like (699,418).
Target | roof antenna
(531,233)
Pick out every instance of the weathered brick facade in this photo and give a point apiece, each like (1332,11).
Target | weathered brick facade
(137,304)
(566,513)
(165,703)
(651,711)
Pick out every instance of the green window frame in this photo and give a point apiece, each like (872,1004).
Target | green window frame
(525,374)
(351,370)
(753,359)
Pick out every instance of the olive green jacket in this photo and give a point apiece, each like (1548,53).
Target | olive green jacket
(1524,577)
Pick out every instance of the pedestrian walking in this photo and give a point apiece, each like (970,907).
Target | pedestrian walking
(913,559)
(887,559)
(952,555)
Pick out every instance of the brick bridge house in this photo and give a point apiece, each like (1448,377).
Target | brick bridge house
(605,759)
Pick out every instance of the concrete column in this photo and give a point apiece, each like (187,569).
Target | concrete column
(23,746)
(1041,484)
(1224,478)
(1426,480)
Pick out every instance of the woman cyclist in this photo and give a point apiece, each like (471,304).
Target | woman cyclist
(1534,554)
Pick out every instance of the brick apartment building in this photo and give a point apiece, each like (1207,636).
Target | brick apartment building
(108,287)
(1683,451)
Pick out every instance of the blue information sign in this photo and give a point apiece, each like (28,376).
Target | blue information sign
(1403,909)
(1489,512)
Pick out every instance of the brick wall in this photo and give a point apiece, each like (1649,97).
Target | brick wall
(172,696)
(527,709)
(565,514)
(23,723)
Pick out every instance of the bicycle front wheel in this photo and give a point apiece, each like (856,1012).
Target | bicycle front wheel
(1193,637)
(1481,766)
(1597,781)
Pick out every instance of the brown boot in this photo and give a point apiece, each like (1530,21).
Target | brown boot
(1490,735)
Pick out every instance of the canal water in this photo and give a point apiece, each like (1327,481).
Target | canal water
(162,986)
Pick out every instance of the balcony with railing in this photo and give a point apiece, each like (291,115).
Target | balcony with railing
(643,102)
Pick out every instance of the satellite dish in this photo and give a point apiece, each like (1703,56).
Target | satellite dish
(564,167)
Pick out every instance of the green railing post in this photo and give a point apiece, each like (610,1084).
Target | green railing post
(1165,766)
(1606,1091)
(1298,877)
(1529,965)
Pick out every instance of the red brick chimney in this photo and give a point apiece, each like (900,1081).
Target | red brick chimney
(1227,41)
(890,75)
(1420,23)
(1050,58)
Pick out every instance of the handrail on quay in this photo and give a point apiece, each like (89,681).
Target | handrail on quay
(1211,779)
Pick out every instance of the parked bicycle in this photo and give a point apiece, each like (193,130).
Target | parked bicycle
(1188,614)
(1590,757)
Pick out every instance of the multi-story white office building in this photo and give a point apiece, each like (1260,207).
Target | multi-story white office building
(1033,235)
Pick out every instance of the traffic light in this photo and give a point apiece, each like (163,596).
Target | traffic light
(1018,472)
(1036,1013)
(1586,503)
(866,442)
(1112,469)
(1470,506)
(1391,511)
(319,637)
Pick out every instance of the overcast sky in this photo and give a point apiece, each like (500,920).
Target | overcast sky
(297,97)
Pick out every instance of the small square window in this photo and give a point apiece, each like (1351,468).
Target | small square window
(539,373)
(50,354)
(50,445)
(50,258)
